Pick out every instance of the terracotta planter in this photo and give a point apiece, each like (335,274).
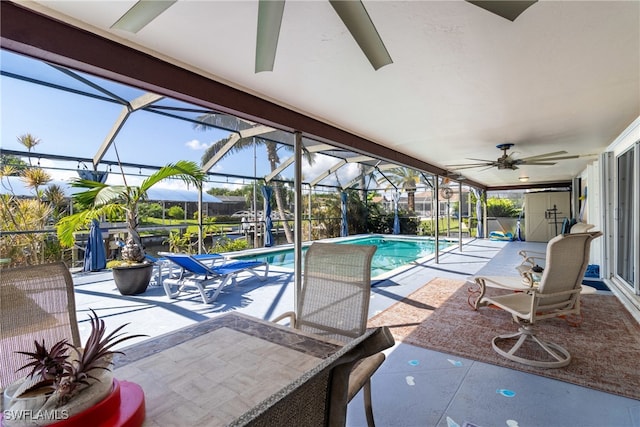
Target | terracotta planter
(132,280)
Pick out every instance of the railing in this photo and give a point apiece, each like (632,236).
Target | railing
(41,246)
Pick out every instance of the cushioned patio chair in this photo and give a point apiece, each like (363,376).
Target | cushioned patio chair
(334,303)
(556,294)
(36,303)
(320,397)
(197,275)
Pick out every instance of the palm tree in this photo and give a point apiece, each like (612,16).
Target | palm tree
(406,179)
(108,200)
(207,121)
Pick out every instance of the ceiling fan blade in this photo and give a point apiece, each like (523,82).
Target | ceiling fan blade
(556,153)
(141,13)
(481,160)
(269,21)
(538,163)
(508,9)
(543,159)
(468,166)
(359,24)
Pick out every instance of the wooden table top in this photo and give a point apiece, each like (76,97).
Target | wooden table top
(220,370)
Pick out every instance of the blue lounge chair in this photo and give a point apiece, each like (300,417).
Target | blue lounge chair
(195,274)
(162,266)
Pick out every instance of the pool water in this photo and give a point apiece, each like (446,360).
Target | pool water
(391,253)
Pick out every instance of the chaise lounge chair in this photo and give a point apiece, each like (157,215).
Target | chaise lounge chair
(162,266)
(195,274)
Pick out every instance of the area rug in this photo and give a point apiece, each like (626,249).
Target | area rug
(604,348)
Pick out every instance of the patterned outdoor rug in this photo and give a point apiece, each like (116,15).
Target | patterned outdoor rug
(604,348)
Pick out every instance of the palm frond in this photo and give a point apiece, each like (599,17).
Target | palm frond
(81,220)
(187,171)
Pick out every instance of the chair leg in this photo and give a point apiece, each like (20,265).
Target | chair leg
(368,407)
(561,356)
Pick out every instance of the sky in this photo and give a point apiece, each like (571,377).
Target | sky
(74,125)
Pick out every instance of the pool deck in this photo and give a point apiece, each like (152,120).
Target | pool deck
(437,393)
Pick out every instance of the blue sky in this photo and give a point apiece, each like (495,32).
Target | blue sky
(74,125)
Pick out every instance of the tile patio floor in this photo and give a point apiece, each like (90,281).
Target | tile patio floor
(415,387)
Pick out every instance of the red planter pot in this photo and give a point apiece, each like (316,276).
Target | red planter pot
(124,407)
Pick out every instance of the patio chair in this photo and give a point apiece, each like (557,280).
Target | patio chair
(320,397)
(334,303)
(196,274)
(533,261)
(36,303)
(556,294)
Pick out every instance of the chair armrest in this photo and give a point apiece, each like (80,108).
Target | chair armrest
(532,254)
(362,372)
(515,283)
(290,314)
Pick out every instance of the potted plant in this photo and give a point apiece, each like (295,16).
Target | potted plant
(61,384)
(133,274)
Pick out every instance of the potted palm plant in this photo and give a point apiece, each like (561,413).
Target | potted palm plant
(133,274)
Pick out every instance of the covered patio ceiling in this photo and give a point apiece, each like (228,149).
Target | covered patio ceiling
(563,76)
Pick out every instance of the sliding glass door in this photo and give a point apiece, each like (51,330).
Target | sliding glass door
(626,217)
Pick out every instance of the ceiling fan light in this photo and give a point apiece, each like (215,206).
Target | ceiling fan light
(523,178)
(141,13)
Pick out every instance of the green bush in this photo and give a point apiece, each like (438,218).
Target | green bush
(501,208)
(153,210)
(226,244)
(175,212)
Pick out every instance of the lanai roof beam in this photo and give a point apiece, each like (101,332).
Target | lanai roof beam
(138,103)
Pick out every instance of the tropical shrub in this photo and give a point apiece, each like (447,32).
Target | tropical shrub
(175,212)
(504,208)
(150,210)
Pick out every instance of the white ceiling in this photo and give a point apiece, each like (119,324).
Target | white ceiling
(565,75)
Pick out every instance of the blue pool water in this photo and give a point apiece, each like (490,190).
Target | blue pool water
(391,253)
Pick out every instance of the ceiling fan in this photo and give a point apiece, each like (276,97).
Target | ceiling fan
(508,9)
(507,161)
(352,13)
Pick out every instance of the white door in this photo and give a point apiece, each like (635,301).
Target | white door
(544,213)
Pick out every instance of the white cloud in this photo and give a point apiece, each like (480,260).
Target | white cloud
(195,144)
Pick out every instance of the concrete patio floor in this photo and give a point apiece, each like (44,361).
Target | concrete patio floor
(414,387)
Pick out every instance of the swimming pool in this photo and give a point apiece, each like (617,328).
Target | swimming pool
(392,252)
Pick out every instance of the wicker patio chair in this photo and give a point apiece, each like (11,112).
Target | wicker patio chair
(334,303)
(36,303)
(556,294)
(319,398)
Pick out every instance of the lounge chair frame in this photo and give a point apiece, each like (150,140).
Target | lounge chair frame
(193,273)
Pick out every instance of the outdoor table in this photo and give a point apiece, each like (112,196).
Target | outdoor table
(216,371)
